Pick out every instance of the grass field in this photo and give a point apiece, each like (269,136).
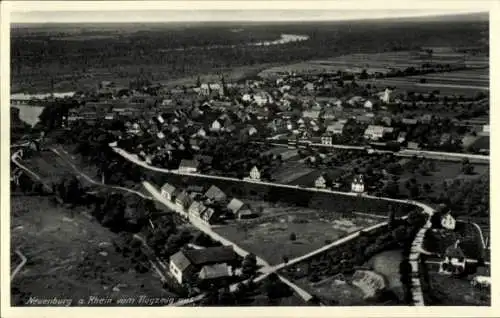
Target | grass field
(458,292)
(445,171)
(269,235)
(70,256)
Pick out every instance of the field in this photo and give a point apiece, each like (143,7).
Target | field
(269,235)
(458,292)
(445,171)
(122,52)
(70,256)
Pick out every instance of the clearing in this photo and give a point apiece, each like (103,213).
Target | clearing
(71,256)
(270,236)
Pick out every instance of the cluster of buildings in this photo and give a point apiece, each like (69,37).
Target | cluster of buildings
(210,207)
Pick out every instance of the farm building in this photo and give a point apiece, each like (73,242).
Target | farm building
(186,265)
(188,166)
(183,200)
(240,210)
(168,191)
(215,194)
(336,128)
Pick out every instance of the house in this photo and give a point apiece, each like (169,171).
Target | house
(328,114)
(214,272)
(215,194)
(375,132)
(454,261)
(168,191)
(252,131)
(322,182)
(385,96)
(336,129)
(313,114)
(426,118)
(183,200)
(160,135)
(409,121)
(447,221)
(196,208)
(368,104)
(326,139)
(216,126)
(401,137)
(358,184)
(486,130)
(413,145)
(387,120)
(255,173)
(309,87)
(209,216)
(186,265)
(202,133)
(355,100)
(188,166)
(240,210)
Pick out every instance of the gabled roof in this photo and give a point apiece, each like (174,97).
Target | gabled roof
(235,205)
(214,271)
(183,198)
(168,188)
(180,260)
(188,163)
(210,255)
(215,193)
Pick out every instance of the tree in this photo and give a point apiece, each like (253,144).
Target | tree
(249,264)
(293,237)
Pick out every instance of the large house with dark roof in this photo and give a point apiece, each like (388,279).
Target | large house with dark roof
(208,263)
(215,194)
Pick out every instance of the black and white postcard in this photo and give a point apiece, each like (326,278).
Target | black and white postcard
(307,158)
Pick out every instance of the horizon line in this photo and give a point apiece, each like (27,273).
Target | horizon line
(482,16)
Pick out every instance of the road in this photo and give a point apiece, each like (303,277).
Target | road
(136,160)
(20,266)
(14,158)
(90,180)
(404,152)
(265,267)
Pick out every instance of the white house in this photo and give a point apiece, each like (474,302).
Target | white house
(385,96)
(314,114)
(188,166)
(375,132)
(168,191)
(454,261)
(358,184)
(201,132)
(255,173)
(336,128)
(252,131)
(320,182)
(216,126)
(368,104)
(326,140)
(448,222)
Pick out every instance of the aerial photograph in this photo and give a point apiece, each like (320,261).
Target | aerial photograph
(309,160)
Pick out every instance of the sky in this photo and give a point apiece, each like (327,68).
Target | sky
(111,16)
